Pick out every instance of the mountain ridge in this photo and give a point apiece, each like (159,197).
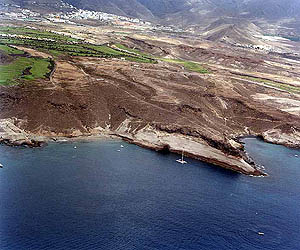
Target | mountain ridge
(161,9)
(212,19)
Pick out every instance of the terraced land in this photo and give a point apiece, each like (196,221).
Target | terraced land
(61,45)
(282,86)
(191,66)
(100,87)
(135,51)
(10,50)
(36,34)
(16,65)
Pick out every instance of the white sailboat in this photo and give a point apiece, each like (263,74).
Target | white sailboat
(181,160)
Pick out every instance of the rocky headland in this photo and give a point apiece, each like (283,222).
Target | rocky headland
(12,135)
(163,106)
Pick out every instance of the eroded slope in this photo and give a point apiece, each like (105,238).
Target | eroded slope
(164,105)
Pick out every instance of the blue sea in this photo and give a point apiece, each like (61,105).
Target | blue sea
(100,195)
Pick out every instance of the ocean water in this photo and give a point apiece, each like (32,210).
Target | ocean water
(95,197)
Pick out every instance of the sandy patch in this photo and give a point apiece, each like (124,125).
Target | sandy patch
(33,52)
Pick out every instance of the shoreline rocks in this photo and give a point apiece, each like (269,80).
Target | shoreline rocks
(192,147)
(236,159)
(277,136)
(12,135)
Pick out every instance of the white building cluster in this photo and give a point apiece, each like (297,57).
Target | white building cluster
(80,14)
(21,14)
(72,14)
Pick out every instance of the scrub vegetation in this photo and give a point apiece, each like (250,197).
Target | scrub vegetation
(283,86)
(191,66)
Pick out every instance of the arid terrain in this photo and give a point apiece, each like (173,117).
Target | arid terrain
(197,96)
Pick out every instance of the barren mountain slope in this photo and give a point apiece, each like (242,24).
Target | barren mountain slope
(165,106)
(270,9)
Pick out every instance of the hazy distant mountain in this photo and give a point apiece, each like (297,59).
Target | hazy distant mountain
(192,10)
(272,8)
(42,6)
(131,8)
(225,20)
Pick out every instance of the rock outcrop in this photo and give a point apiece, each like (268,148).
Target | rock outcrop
(277,136)
(192,147)
(162,106)
(12,135)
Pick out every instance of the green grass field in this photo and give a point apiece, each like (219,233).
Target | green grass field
(26,68)
(59,45)
(283,86)
(104,50)
(191,66)
(140,59)
(81,49)
(123,47)
(10,73)
(35,33)
(10,50)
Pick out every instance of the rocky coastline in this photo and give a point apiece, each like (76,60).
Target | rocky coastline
(12,135)
(148,137)
(162,106)
(232,157)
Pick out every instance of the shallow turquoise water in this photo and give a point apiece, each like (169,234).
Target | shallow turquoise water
(95,197)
